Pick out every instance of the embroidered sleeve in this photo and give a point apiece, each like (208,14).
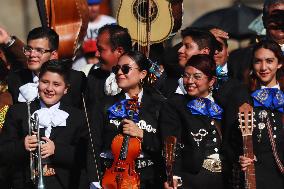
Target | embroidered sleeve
(3,112)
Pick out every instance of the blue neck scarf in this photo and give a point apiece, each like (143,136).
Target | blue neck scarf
(222,77)
(119,111)
(270,98)
(204,106)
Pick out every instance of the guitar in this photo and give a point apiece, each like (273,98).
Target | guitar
(150,21)
(246,126)
(169,153)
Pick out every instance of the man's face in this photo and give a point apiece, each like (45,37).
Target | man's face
(107,56)
(221,57)
(187,50)
(35,59)
(276,34)
(94,11)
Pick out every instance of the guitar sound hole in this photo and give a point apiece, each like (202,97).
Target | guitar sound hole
(140,10)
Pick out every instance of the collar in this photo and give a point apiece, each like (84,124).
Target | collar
(210,97)
(139,95)
(35,78)
(225,68)
(111,88)
(282,47)
(221,70)
(277,86)
(180,89)
(51,117)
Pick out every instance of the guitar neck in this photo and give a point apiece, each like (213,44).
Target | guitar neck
(170,148)
(250,172)
(170,176)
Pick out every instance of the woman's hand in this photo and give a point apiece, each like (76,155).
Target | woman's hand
(245,162)
(30,142)
(166,185)
(48,148)
(130,128)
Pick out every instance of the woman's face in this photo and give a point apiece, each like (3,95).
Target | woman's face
(128,75)
(51,88)
(196,83)
(265,66)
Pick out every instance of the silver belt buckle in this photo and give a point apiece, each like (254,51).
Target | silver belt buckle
(212,165)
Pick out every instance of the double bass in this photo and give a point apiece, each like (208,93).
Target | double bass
(69,18)
(125,149)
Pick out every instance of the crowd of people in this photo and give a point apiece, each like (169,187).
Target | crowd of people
(194,93)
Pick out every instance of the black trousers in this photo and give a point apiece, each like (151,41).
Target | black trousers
(203,180)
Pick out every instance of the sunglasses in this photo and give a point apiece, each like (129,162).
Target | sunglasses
(124,69)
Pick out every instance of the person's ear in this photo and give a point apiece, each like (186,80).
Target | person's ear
(205,50)
(119,51)
(66,89)
(54,55)
(143,74)
(212,81)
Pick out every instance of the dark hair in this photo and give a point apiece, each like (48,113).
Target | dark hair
(203,38)
(48,33)
(142,62)
(271,45)
(56,66)
(118,36)
(204,63)
(267,4)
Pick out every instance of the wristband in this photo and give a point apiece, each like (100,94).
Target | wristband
(10,42)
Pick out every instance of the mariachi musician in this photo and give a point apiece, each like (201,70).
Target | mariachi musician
(195,120)
(62,128)
(52,41)
(107,121)
(264,92)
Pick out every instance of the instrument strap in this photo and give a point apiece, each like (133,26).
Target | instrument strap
(273,145)
(91,138)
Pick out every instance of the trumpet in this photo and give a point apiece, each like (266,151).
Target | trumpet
(35,156)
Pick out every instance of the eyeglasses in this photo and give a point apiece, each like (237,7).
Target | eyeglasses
(195,77)
(38,51)
(124,68)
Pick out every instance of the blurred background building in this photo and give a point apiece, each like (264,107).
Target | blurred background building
(19,16)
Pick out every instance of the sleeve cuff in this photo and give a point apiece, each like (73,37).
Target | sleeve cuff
(179,180)
(95,185)
(10,42)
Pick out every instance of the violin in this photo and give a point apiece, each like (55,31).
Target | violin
(125,149)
